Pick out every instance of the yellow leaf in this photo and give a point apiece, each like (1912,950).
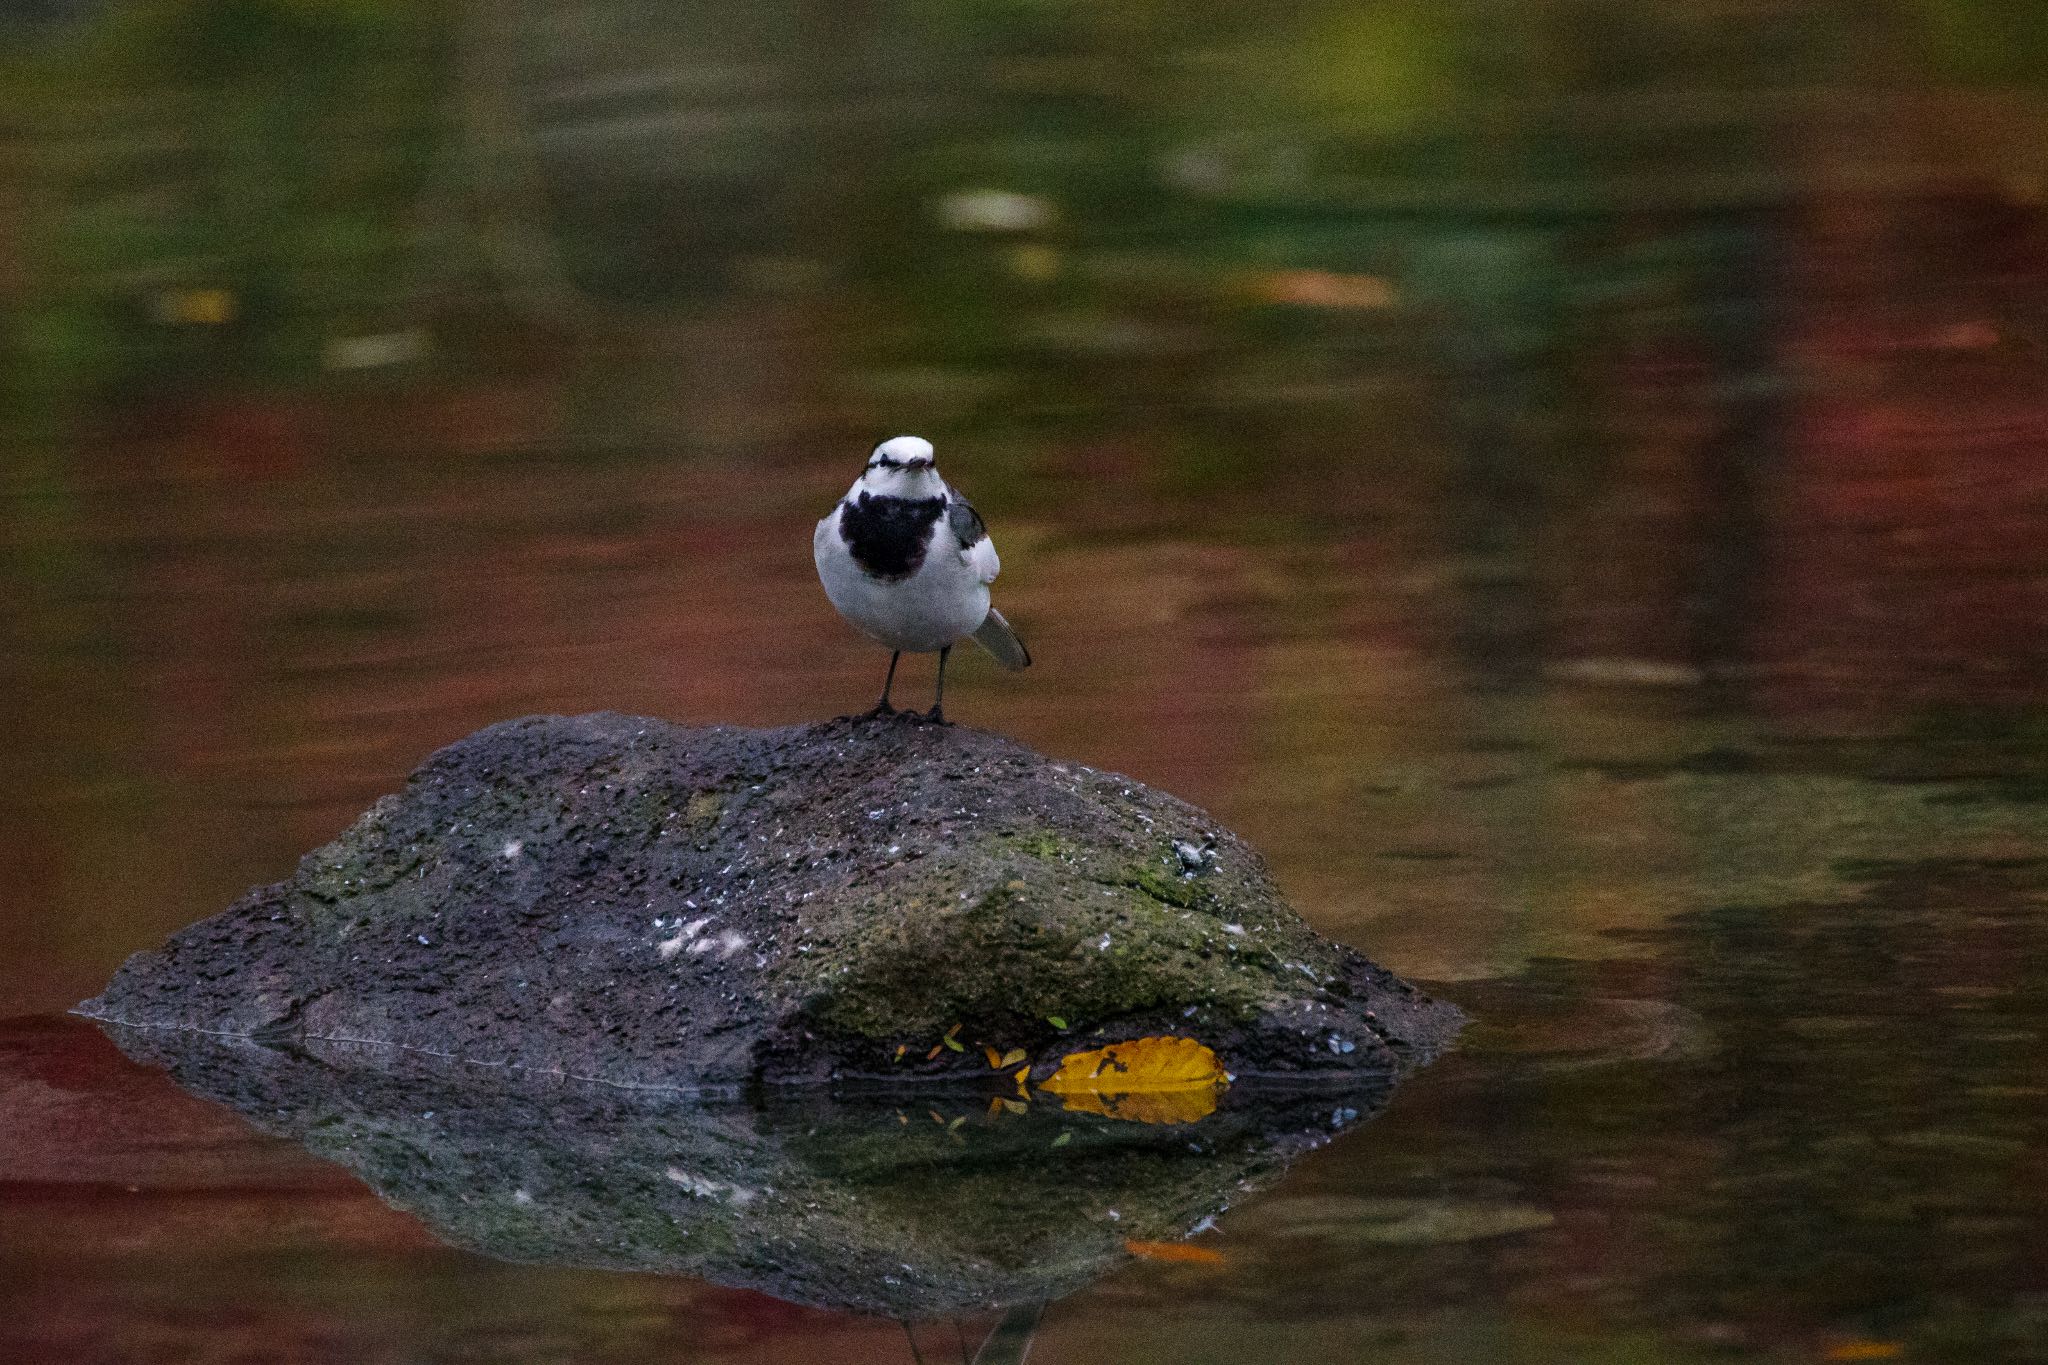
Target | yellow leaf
(1015,1106)
(995,1106)
(995,1059)
(900,1049)
(1142,1064)
(1010,1058)
(1146,1080)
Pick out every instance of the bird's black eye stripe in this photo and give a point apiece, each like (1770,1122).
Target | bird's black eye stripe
(884,462)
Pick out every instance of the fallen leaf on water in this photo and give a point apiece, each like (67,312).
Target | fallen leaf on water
(1011,1058)
(1145,1080)
(901,1048)
(995,1058)
(935,1117)
(936,1050)
(1014,1106)
(1185,1252)
(950,1041)
(995,1106)
(1022,1072)
(1162,1063)
(956,1123)
(1865,1350)
(1056,1022)
(1063,1139)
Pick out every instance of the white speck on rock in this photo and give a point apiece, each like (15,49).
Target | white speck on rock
(512,848)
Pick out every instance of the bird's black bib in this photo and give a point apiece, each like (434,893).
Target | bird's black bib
(887,536)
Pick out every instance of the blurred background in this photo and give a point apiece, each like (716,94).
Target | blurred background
(1568,479)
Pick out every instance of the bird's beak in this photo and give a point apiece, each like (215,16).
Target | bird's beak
(919,463)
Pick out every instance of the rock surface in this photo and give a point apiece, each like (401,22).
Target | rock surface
(627,900)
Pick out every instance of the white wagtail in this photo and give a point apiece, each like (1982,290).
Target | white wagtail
(907,562)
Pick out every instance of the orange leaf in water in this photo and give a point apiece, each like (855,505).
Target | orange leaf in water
(1185,1252)
(1142,1064)
(995,1058)
(1145,1080)
(1865,1350)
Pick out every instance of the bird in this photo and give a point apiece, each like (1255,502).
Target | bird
(907,561)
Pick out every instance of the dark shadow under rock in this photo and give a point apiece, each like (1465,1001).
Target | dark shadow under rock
(847,1203)
(623,899)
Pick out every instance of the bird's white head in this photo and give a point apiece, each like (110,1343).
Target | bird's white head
(902,467)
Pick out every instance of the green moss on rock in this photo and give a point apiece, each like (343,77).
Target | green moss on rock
(621,898)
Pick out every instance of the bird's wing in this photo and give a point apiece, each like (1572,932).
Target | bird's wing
(827,532)
(975,547)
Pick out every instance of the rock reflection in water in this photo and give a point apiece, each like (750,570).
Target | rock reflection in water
(903,1205)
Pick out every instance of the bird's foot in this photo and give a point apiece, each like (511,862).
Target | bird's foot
(881,710)
(937,716)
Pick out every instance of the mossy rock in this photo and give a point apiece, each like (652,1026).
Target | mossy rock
(624,899)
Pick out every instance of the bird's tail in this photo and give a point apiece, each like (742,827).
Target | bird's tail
(995,636)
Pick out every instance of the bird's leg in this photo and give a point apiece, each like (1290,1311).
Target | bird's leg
(938,711)
(882,707)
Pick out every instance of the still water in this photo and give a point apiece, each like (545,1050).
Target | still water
(1582,519)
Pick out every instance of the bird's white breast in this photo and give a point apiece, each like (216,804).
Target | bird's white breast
(939,603)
